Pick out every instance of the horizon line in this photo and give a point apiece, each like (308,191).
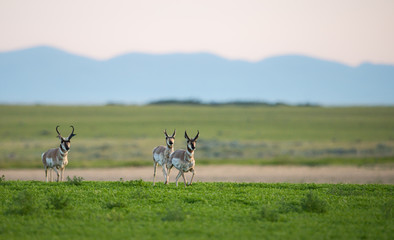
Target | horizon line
(190,52)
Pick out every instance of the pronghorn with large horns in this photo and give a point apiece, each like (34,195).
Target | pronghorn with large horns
(161,155)
(56,158)
(183,160)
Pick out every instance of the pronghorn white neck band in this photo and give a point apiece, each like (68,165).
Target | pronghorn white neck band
(62,148)
(189,153)
(61,152)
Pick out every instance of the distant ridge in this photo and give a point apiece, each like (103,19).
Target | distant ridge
(45,75)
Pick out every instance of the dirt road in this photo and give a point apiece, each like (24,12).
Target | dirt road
(227,173)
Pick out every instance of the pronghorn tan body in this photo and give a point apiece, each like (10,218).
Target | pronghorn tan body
(161,155)
(183,160)
(56,158)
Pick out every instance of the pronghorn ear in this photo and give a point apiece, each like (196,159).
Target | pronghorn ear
(195,138)
(72,135)
(173,135)
(186,136)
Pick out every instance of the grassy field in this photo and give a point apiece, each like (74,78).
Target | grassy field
(137,210)
(126,135)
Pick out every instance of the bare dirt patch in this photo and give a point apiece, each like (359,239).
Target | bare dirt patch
(227,173)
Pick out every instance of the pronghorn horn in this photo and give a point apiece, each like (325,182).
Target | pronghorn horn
(72,133)
(59,135)
(186,136)
(165,132)
(195,138)
(173,135)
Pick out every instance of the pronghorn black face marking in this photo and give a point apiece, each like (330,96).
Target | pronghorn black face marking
(65,144)
(170,139)
(191,143)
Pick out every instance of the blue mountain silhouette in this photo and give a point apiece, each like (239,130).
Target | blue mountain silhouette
(50,76)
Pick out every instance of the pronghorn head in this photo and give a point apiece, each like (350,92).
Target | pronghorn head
(191,143)
(65,142)
(170,140)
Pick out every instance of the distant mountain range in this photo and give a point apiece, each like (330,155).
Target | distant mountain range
(45,75)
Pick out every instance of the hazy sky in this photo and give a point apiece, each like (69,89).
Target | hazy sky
(349,31)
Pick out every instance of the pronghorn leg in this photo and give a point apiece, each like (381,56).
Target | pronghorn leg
(62,173)
(184,179)
(154,172)
(46,174)
(191,180)
(50,175)
(177,177)
(168,175)
(57,173)
(165,173)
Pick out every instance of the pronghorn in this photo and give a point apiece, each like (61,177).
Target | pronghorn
(183,160)
(161,155)
(56,158)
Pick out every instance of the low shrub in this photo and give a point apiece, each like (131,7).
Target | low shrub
(111,205)
(75,181)
(174,214)
(312,203)
(57,201)
(269,214)
(23,203)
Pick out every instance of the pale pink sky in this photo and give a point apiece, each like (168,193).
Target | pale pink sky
(349,31)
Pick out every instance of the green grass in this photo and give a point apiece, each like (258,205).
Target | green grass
(126,135)
(221,123)
(137,210)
